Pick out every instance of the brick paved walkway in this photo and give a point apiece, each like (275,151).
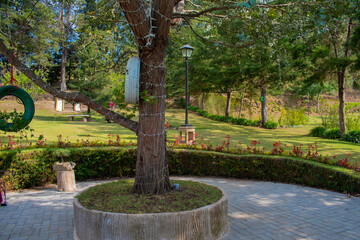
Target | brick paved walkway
(257,210)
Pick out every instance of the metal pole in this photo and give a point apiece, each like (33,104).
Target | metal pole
(186,91)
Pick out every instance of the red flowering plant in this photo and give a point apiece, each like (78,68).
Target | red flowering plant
(278,148)
(297,151)
(41,141)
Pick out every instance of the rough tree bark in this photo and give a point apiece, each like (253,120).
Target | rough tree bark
(250,108)
(342,119)
(152,175)
(64,43)
(228,103)
(264,115)
(318,102)
(241,105)
(341,81)
(203,102)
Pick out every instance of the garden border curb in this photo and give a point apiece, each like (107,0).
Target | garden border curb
(208,222)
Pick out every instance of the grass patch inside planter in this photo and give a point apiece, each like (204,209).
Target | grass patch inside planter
(117,197)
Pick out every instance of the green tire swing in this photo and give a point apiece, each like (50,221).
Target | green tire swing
(26,101)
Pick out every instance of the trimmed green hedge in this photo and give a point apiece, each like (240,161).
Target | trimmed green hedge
(318,131)
(332,134)
(352,136)
(34,167)
(220,118)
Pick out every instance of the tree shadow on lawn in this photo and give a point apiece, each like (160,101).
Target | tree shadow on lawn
(51,118)
(215,133)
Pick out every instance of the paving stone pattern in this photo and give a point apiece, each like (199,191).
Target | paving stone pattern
(257,210)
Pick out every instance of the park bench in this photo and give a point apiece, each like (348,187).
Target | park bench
(85,118)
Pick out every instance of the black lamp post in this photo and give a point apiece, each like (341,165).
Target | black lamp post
(186,52)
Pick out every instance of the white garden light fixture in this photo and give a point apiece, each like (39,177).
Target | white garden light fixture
(186,50)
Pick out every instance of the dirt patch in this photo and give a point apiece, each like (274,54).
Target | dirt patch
(118,197)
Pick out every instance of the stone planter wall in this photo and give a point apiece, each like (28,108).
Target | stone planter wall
(209,222)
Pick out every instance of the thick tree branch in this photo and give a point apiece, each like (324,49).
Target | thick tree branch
(194,13)
(163,15)
(204,12)
(176,2)
(138,20)
(71,97)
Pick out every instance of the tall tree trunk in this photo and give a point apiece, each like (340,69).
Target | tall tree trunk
(250,106)
(241,104)
(228,103)
(152,174)
(342,119)
(308,103)
(341,83)
(318,102)
(264,114)
(65,24)
(203,101)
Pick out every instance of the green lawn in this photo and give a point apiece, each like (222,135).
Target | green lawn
(215,132)
(51,124)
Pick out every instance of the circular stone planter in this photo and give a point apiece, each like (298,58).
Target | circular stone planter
(208,222)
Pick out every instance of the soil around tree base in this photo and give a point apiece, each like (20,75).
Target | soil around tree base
(117,197)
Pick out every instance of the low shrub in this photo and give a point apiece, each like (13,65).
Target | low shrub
(350,105)
(254,123)
(220,118)
(332,134)
(293,117)
(271,125)
(242,121)
(318,132)
(34,167)
(352,136)
(352,121)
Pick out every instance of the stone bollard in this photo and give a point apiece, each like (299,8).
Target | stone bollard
(65,176)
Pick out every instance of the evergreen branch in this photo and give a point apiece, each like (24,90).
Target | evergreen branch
(217,42)
(32,10)
(117,61)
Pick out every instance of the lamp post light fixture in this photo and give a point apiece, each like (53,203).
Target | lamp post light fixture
(187,128)
(186,52)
